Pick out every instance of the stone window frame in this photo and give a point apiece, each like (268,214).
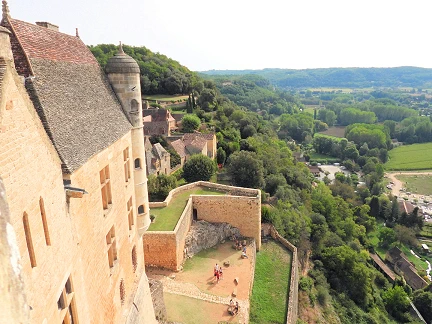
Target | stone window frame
(126,162)
(44,221)
(129,208)
(137,164)
(29,241)
(66,303)
(111,247)
(105,183)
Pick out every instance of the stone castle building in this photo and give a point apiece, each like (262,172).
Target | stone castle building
(73,165)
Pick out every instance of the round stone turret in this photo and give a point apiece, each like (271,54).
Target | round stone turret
(122,63)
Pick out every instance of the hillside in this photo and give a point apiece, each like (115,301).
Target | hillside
(159,73)
(341,77)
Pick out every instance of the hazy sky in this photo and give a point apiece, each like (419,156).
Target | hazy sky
(240,34)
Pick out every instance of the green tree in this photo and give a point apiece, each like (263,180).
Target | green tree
(160,186)
(198,167)
(386,237)
(396,301)
(423,301)
(405,235)
(190,123)
(220,156)
(246,169)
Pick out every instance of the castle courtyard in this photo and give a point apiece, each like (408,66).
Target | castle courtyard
(201,297)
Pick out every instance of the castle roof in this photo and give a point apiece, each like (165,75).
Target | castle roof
(74,100)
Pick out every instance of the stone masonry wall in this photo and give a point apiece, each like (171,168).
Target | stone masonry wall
(292,313)
(243,213)
(165,249)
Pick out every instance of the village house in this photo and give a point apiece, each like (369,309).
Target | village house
(73,165)
(315,170)
(405,268)
(158,121)
(157,158)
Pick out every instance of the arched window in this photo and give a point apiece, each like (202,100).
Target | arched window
(141,209)
(137,164)
(134,106)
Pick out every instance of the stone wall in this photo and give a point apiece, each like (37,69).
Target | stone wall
(165,249)
(156,289)
(292,313)
(241,212)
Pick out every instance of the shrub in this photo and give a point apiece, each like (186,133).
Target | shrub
(199,167)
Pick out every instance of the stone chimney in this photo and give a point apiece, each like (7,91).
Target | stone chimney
(47,25)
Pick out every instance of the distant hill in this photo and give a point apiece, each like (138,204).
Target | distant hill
(405,76)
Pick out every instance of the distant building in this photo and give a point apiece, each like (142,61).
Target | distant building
(158,122)
(405,268)
(194,143)
(315,170)
(157,158)
(298,156)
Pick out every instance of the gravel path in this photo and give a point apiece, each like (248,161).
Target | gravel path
(190,290)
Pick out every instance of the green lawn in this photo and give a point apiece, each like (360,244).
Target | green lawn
(164,97)
(420,184)
(268,303)
(410,157)
(427,230)
(373,238)
(167,217)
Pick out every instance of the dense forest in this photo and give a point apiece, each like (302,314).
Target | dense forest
(159,74)
(341,77)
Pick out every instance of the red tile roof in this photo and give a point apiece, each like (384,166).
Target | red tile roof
(44,43)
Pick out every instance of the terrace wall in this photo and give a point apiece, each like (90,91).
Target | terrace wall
(164,249)
(292,312)
(238,211)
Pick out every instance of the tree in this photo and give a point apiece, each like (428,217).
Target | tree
(220,156)
(190,123)
(246,169)
(423,301)
(198,167)
(396,301)
(160,186)
(405,235)
(386,236)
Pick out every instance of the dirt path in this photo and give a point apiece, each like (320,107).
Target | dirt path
(399,184)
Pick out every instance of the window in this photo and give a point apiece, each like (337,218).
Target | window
(137,164)
(134,107)
(66,304)
(126,164)
(141,209)
(29,240)
(130,213)
(105,187)
(111,244)
(44,221)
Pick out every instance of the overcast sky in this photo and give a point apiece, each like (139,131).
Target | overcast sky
(250,34)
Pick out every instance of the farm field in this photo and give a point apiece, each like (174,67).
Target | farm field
(336,131)
(410,157)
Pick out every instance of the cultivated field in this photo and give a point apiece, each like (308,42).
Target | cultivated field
(421,184)
(336,131)
(164,97)
(410,157)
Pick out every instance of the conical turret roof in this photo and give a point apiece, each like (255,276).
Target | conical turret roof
(121,63)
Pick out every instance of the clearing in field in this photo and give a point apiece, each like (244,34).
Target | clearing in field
(420,184)
(336,131)
(271,284)
(164,97)
(410,157)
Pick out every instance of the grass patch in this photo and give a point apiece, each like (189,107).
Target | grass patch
(268,303)
(164,97)
(419,264)
(427,230)
(420,184)
(167,217)
(374,240)
(188,310)
(410,157)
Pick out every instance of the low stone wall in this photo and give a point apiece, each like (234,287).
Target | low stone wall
(164,249)
(231,190)
(292,313)
(156,290)
(241,212)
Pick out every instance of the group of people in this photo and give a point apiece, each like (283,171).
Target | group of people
(218,273)
(233,307)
